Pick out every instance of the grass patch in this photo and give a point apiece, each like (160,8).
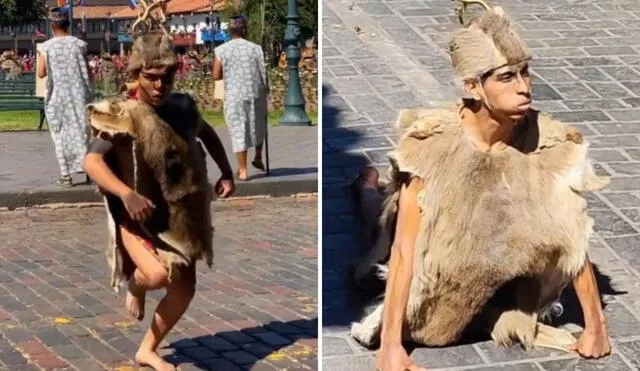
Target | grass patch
(29,120)
(19,120)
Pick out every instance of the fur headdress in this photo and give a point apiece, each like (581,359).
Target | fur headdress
(486,43)
(153,46)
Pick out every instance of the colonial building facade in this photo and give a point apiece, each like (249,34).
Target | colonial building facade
(105,26)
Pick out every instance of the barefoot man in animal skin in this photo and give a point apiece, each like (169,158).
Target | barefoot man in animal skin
(484,218)
(147,162)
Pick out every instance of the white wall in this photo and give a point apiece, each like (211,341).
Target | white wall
(178,24)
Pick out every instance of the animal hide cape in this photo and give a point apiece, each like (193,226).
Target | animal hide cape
(501,231)
(169,169)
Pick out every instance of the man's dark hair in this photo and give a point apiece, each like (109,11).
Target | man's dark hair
(238,25)
(61,25)
(60,18)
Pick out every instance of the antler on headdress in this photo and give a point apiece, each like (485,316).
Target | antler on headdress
(146,17)
(462,9)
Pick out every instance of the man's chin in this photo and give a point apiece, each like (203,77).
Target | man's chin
(158,101)
(520,114)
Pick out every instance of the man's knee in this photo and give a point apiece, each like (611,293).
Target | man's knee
(185,285)
(157,278)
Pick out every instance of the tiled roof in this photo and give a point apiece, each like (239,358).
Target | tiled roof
(54,3)
(96,12)
(120,11)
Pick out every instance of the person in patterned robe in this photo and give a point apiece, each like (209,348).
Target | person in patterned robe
(240,63)
(63,60)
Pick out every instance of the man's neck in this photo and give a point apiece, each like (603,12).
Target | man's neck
(58,33)
(486,129)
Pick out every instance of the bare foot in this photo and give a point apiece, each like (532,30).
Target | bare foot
(153,360)
(135,301)
(242,175)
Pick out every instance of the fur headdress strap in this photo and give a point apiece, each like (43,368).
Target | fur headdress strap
(485,43)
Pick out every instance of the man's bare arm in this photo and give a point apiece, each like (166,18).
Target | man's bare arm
(99,171)
(42,66)
(217,69)
(214,146)
(392,355)
(594,342)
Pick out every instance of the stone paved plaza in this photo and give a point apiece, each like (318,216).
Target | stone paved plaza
(382,55)
(255,310)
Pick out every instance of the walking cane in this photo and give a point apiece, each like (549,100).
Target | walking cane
(266,142)
(266,137)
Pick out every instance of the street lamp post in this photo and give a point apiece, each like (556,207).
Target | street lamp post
(70,2)
(294,112)
(103,28)
(107,32)
(32,32)
(14,35)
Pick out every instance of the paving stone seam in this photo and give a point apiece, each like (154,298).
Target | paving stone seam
(398,57)
(431,43)
(482,355)
(507,363)
(624,265)
(626,360)
(617,211)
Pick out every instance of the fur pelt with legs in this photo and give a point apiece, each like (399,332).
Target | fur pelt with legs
(168,168)
(502,232)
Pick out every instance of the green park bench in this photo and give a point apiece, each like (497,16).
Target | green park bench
(20,95)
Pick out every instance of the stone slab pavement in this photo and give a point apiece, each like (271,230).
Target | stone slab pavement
(256,309)
(383,55)
(28,168)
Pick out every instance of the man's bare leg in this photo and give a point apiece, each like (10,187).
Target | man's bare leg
(370,202)
(243,173)
(370,198)
(137,290)
(171,308)
(150,274)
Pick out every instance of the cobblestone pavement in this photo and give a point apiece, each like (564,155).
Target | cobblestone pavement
(382,55)
(29,163)
(255,310)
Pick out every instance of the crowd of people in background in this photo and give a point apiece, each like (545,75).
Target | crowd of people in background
(191,62)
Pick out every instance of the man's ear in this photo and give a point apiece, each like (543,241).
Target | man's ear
(473,88)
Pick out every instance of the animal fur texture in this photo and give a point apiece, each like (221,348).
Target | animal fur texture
(502,232)
(166,167)
(150,51)
(488,42)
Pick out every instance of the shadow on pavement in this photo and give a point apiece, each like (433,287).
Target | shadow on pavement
(285,171)
(342,304)
(259,342)
(569,299)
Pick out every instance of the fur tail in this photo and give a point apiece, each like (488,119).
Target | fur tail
(517,326)
(367,332)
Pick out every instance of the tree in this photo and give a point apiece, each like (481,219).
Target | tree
(17,12)
(275,20)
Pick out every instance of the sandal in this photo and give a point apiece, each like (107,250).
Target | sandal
(65,181)
(258,164)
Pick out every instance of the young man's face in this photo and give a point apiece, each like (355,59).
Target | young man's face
(156,84)
(509,90)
